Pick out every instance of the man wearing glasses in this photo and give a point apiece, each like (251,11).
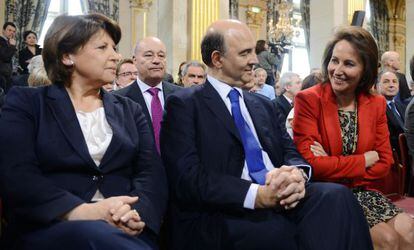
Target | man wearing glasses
(126,73)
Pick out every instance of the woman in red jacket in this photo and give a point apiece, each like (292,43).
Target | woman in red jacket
(341,130)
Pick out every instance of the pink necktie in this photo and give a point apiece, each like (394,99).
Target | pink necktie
(156,113)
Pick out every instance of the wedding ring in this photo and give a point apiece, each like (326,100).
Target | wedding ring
(135,212)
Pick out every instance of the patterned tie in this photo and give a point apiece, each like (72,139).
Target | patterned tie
(253,152)
(396,114)
(156,114)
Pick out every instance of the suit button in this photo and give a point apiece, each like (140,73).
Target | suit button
(95,178)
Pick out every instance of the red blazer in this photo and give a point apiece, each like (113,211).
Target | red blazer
(316,119)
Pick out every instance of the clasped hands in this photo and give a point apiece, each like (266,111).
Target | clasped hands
(114,210)
(284,186)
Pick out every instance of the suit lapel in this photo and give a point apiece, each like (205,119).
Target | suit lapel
(258,116)
(330,120)
(115,117)
(219,109)
(135,94)
(62,109)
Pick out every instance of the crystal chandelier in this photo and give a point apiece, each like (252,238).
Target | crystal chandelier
(281,34)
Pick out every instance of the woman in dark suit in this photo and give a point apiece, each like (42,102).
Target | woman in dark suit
(341,130)
(74,159)
(30,50)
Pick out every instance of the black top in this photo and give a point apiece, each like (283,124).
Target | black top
(24,55)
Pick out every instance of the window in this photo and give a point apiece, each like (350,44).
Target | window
(297,60)
(58,7)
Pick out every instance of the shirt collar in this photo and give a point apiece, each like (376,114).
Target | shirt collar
(288,99)
(145,87)
(222,88)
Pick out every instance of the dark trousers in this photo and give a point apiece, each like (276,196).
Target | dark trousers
(329,217)
(80,235)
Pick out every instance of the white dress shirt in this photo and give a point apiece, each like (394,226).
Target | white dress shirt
(147,96)
(223,89)
(98,135)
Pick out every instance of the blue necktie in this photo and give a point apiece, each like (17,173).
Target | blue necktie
(396,114)
(253,152)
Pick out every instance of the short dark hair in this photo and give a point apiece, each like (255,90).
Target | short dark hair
(9,24)
(365,46)
(68,34)
(260,46)
(212,41)
(412,67)
(28,32)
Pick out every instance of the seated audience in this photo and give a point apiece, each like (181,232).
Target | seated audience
(341,130)
(38,75)
(236,179)
(126,73)
(312,79)
(30,50)
(290,84)
(390,61)
(388,87)
(193,73)
(260,86)
(77,159)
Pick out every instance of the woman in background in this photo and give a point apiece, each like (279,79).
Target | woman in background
(77,158)
(267,60)
(30,50)
(341,129)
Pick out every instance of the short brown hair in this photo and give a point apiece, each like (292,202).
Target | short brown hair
(122,62)
(367,49)
(68,34)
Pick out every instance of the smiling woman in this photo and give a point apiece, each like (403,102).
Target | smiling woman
(340,128)
(88,155)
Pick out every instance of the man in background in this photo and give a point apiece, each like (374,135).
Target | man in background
(390,60)
(126,73)
(149,89)
(193,73)
(7,51)
(290,84)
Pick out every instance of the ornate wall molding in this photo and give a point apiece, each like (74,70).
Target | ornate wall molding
(141,4)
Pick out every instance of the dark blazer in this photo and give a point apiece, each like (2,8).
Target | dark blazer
(284,106)
(317,119)
(46,169)
(205,160)
(393,126)
(6,54)
(24,55)
(134,93)
(404,92)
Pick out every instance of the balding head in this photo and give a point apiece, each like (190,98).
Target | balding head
(228,50)
(390,60)
(150,60)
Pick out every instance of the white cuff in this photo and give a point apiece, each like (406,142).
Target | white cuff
(251,196)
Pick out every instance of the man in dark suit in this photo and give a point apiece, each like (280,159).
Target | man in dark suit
(291,84)
(7,51)
(150,58)
(390,61)
(388,87)
(236,178)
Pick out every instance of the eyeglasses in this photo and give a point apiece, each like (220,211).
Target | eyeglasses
(128,73)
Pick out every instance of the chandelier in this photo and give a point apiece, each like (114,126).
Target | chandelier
(281,34)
